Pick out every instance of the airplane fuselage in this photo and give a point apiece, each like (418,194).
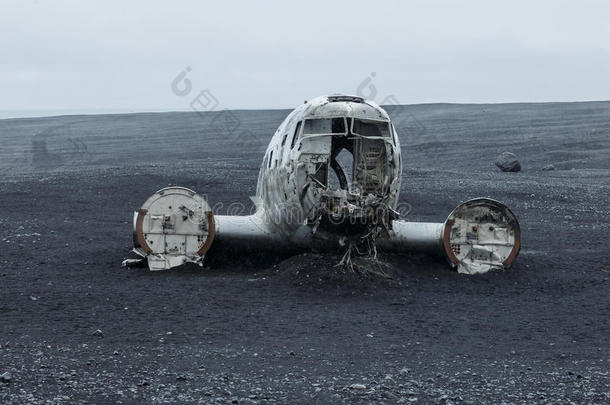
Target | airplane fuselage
(332,165)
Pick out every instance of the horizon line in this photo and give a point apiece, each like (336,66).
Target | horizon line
(102,111)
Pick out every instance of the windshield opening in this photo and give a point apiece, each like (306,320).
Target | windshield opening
(324,126)
(371,128)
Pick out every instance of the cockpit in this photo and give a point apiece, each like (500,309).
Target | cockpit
(357,167)
(346,126)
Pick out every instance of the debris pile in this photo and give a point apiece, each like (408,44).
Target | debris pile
(332,271)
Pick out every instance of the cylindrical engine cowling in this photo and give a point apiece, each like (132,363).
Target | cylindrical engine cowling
(174,226)
(481,235)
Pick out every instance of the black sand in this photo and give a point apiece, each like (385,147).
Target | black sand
(278,330)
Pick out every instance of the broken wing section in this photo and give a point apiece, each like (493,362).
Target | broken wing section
(478,236)
(176,226)
(246,232)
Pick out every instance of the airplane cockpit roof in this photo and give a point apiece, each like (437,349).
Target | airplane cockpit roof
(344,106)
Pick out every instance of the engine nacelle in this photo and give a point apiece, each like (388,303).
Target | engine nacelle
(174,226)
(481,235)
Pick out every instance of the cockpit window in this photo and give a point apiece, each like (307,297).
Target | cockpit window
(296,134)
(371,128)
(325,126)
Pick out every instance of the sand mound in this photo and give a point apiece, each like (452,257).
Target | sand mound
(324,271)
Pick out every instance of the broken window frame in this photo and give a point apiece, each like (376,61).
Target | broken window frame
(386,122)
(394,134)
(296,135)
(324,134)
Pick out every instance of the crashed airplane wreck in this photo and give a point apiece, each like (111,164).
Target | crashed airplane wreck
(330,179)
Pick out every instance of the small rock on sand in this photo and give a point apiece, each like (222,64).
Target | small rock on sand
(508,162)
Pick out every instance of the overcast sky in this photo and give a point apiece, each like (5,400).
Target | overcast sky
(78,56)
